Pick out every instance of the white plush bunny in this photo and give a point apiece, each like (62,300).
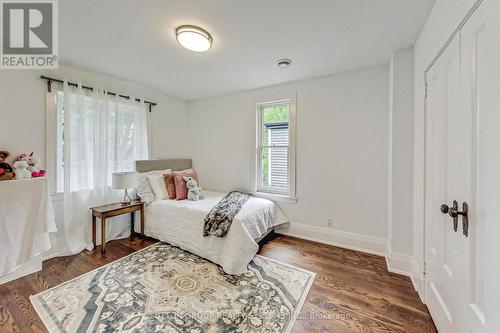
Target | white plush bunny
(21,170)
(194,191)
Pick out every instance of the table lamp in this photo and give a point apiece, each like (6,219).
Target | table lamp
(124,181)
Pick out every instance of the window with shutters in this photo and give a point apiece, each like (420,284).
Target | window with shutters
(275,160)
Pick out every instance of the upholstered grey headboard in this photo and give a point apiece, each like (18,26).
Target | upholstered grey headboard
(173,164)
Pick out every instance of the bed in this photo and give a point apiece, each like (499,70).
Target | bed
(180,223)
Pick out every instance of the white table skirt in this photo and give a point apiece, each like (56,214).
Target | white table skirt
(26,219)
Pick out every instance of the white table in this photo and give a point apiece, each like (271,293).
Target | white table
(26,219)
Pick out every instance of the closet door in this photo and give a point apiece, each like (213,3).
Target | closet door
(463,173)
(480,96)
(447,136)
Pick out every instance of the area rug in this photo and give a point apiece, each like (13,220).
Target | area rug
(165,289)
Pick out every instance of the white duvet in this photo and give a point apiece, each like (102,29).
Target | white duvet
(180,223)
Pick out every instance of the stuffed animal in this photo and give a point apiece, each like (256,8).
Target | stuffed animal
(32,162)
(194,191)
(21,170)
(6,172)
(32,166)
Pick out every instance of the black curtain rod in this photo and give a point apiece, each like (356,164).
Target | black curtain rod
(49,80)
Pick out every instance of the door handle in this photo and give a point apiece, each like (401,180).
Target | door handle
(454,213)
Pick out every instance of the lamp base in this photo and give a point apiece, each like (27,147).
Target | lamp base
(126,199)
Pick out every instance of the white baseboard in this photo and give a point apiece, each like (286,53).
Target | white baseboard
(418,280)
(32,266)
(396,262)
(338,238)
(399,263)
(404,264)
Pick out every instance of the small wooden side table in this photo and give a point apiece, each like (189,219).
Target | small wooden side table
(106,211)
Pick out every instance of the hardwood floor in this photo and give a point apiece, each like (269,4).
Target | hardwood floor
(352,292)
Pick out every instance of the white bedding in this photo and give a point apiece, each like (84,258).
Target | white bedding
(180,223)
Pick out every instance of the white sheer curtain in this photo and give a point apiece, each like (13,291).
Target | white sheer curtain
(102,134)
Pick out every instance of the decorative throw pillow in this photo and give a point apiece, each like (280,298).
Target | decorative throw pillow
(170,185)
(181,190)
(170,182)
(144,190)
(158,186)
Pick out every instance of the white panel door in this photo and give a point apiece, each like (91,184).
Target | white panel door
(463,165)
(480,96)
(444,245)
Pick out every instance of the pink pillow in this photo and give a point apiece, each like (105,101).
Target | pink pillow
(170,185)
(181,190)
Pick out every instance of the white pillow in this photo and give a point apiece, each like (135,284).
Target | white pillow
(144,190)
(158,185)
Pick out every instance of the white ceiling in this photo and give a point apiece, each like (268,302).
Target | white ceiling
(134,40)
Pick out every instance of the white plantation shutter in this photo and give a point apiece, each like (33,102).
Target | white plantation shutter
(278,157)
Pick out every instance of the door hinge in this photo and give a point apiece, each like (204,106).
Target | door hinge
(426,90)
(425,268)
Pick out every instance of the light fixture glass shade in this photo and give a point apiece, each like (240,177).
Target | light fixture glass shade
(193,38)
(125,180)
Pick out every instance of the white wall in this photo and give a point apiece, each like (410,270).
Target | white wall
(401,107)
(342,136)
(443,20)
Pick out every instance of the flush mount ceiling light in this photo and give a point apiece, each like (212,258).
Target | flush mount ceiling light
(193,38)
(284,63)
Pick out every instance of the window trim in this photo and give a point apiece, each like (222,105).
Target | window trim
(266,192)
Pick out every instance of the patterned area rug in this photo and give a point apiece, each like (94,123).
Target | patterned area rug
(165,289)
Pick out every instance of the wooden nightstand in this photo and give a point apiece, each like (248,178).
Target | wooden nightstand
(106,211)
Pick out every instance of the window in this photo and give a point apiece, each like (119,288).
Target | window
(89,136)
(275,160)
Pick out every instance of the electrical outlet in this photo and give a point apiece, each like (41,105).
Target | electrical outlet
(329,222)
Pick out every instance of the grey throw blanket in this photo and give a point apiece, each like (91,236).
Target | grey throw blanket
(220,217)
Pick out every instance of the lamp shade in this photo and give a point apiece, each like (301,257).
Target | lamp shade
(125,180)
